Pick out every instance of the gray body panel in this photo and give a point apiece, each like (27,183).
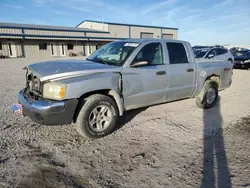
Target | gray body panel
(50,70)
(136,87)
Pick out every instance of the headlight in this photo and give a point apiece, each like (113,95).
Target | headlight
(53,90)
(247,61)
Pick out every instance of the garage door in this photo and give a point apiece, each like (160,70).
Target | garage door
(167,36)
(146,35)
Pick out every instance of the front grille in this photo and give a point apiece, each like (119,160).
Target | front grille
(237,62)
(33,84)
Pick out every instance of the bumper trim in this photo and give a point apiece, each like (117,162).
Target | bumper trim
(48,112)
(39,104)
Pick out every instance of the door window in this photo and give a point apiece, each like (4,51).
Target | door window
(221,51)
(177,53)
(213,51)
(152,53)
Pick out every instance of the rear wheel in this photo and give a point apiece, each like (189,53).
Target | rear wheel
(208,95)
(97,116)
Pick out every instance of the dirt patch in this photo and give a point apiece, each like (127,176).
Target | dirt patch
(226,157)
(47,172)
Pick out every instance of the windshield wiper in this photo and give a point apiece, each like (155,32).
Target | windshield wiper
(99,61)
(103,61)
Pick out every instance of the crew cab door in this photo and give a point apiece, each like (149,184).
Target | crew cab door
(147,84)
(181,71)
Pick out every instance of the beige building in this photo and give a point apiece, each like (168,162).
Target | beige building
(27,40)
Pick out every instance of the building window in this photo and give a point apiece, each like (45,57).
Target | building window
(177,53)
(42,46)
(90,50)
(167,36)
(98,46)
(147,35)
(70,47)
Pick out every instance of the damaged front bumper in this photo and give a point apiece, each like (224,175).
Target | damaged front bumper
(48,112)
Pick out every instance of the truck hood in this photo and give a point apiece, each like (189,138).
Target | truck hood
(62,69)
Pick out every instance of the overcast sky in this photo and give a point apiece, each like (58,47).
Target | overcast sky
(199,21)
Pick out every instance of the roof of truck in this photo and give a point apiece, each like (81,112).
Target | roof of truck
(152,40)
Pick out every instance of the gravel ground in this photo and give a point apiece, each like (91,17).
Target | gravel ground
(168,145)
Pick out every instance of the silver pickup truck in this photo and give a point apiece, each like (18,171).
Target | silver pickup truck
(120,76)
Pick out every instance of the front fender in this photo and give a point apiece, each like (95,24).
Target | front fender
(78,86)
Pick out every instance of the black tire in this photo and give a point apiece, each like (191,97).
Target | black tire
(201,99)
(89,104)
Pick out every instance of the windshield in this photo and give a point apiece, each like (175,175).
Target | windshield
(200,53)
(242,53)
(114,53)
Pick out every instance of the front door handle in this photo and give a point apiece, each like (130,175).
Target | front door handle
(160,72)
(190,70)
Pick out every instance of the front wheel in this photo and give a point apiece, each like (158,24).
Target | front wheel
(208,95)
(97,116)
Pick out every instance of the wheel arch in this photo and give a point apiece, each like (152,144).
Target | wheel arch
(215,78)
(108,92)
(231,60)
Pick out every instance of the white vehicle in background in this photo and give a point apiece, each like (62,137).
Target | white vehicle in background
(216,53)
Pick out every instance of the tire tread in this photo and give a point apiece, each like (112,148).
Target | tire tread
(85,104)
(199,100)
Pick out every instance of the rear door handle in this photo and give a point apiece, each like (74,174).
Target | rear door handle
(160,72)
(190,70)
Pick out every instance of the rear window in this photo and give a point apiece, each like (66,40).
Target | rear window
(177,53)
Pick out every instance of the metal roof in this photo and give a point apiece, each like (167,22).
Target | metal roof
(112,23)
(47,27)
(151,40)
(24,36)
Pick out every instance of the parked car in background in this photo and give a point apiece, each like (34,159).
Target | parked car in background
(92,93)
(216,53)
(242,59)
(197,47)
(234,50)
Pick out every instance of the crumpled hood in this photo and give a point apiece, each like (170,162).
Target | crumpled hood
(69,68)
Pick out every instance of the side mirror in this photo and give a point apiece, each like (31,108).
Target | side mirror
(210,56)
(139,64)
